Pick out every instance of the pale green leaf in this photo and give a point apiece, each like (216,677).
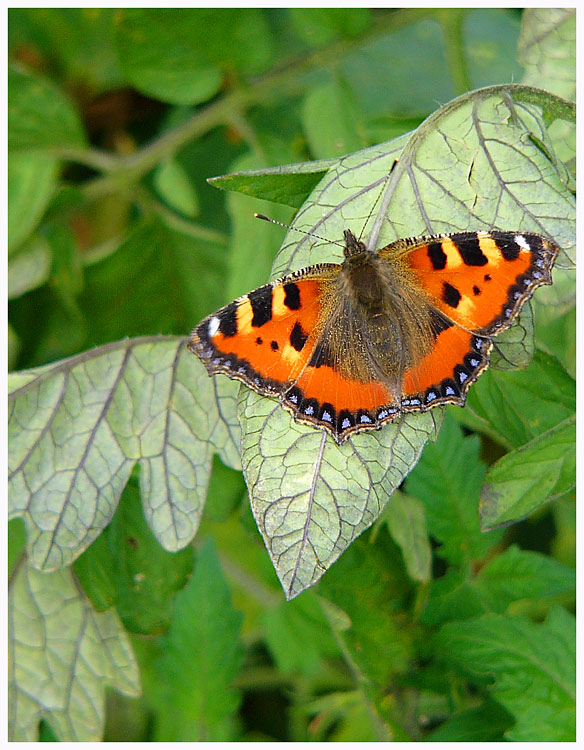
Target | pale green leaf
(406,521)
(547,49)
(523,480)
(311,497)
(29,267)
(532,667)
(62,654)
(77,427)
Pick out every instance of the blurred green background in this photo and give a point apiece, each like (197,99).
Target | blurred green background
(116,120)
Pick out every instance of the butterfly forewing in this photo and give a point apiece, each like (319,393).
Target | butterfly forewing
(263,338)
(480,280)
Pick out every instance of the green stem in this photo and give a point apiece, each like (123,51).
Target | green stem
(451,20)
(149,204)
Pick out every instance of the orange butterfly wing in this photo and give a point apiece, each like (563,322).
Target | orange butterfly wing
(263,338)
(479,281)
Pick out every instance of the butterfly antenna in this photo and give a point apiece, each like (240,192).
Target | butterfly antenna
(294,229)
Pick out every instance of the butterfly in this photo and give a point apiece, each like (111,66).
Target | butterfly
(349,347)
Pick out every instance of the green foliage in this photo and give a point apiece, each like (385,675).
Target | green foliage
(531,666)
(201,655)
(422,624)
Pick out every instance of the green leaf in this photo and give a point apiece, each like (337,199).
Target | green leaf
(311,497)
(175,188)
(40,116)
(95,571)
(369,586)
(513,575)
(253,242)
(16,542)
(290,185)
(487,723)
(201,656)
(406,521)
(63,653)
(530,476)
(489,41)
(557,337)
(180,55)
(77,428)
(32,179)
(341,717)
(532,667)
(520,574)
(157,280)
(342,130)
(225,493)
(14,347)
(29,268)
(390,74)
(320,26)
(448,481)
(515,407)
(547,49)
(77,41)
(147,576)
(298,636)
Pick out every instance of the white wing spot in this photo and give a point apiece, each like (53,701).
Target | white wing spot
(214,324)
(521,241)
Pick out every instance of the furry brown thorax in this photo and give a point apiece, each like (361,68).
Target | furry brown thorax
(374,304)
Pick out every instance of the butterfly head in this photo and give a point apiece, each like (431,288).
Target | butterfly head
(352,245)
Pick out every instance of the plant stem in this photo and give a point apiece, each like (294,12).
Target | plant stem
(451,22)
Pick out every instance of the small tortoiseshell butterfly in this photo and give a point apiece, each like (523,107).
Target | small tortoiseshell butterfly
(349,347)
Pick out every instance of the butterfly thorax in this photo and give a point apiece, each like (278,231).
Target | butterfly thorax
(378,324)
